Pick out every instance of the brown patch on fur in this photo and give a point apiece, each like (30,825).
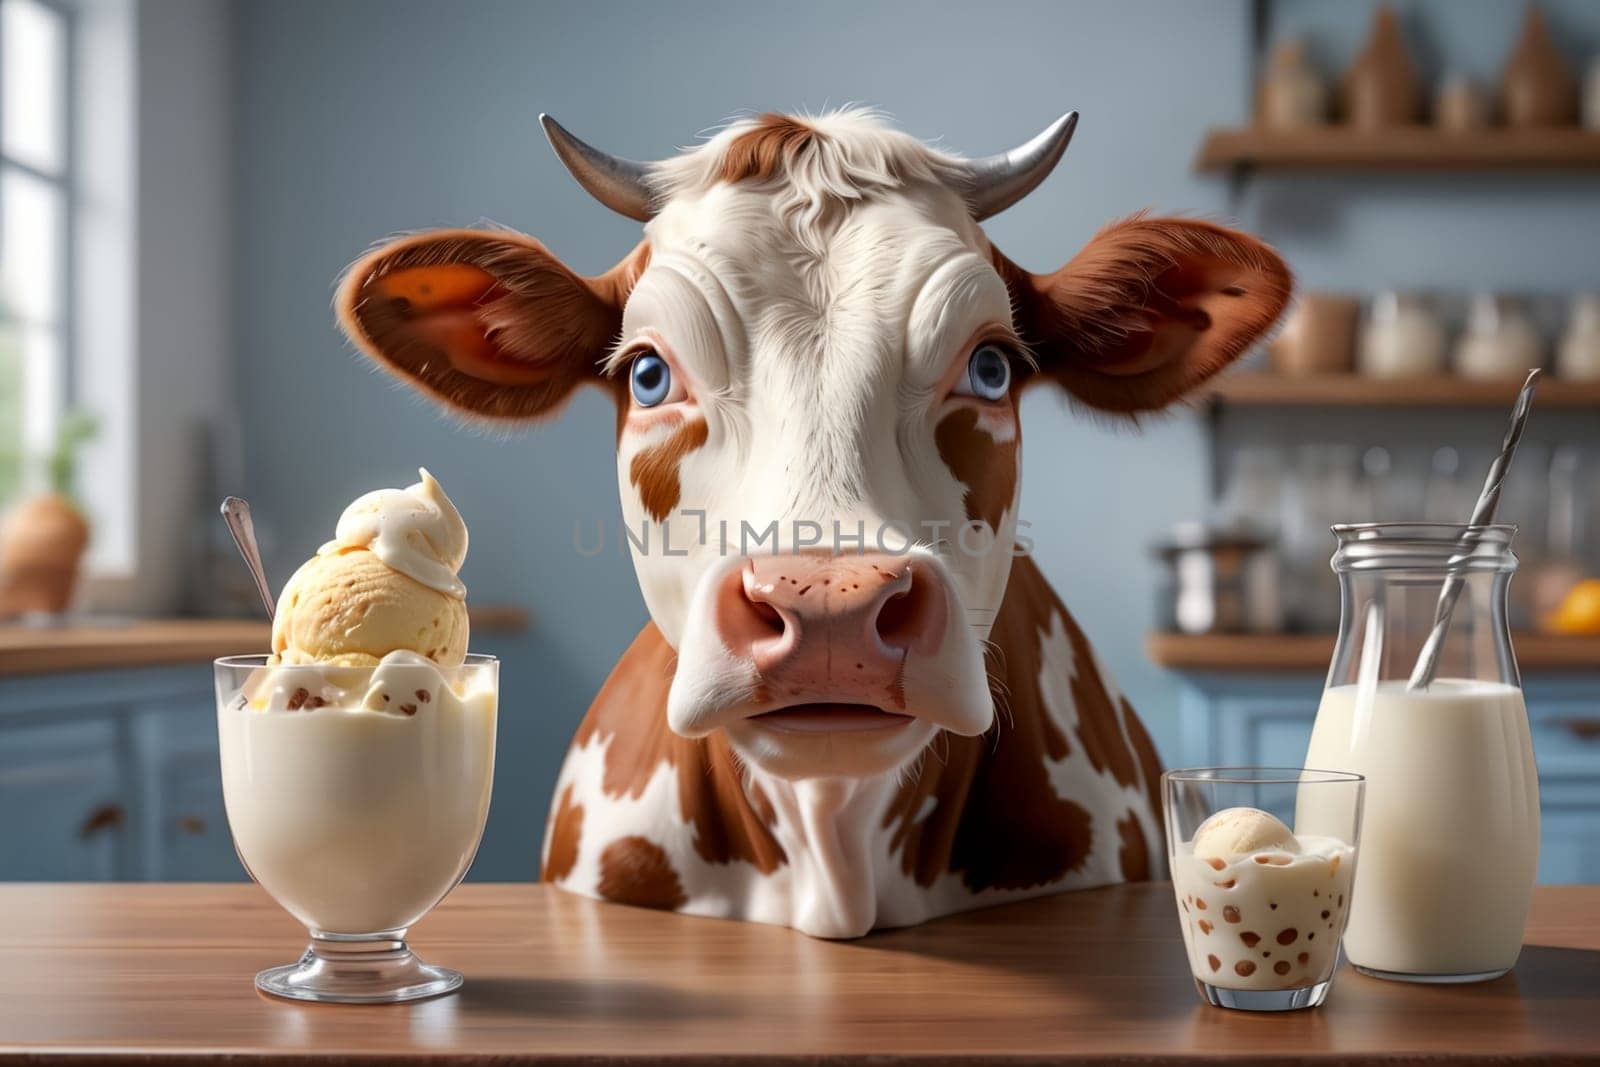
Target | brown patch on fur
(486,322)
(1148,310)
(566,830)
(759,153)
(1099,723)
(635,870)
(731,823)
(654,470)
(1135,852)
(997,820)
(987,469)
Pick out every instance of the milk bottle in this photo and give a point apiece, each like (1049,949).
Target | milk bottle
(1450,838)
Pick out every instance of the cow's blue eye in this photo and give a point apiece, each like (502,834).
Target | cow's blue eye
(988,373)
(652,379)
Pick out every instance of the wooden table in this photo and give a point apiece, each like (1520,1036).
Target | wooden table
(162,972)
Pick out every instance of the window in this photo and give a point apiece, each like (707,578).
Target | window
(36,219)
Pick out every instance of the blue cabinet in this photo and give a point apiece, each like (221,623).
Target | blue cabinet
(1237,719)
(112,776)
(63,810)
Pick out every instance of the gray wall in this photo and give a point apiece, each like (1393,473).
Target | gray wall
(357,119)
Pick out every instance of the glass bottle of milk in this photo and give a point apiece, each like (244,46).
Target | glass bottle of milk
(1450,839)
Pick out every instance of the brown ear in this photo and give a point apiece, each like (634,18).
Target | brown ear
(1148,310)
(487,322)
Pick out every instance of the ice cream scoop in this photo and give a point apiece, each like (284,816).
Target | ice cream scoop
(1235,832)
(416,531)
(387,582)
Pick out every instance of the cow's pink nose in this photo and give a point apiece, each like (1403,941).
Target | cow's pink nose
(820,625)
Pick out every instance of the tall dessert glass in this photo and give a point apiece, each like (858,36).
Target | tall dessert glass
(357,797)
(1451,840)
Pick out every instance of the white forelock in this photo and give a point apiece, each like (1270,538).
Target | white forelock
(855,156)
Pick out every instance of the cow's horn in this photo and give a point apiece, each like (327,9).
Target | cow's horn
(996,182)
(623,185)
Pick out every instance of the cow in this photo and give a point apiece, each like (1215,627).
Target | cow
(824,725)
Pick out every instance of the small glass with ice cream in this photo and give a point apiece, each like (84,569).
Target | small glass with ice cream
(1262,906)
(357,758)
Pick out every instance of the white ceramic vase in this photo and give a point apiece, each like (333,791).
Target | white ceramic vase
(1402,338)
(1500,341)
(1578,355)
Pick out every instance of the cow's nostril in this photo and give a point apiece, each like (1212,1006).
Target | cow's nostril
(768,616)
(893,617)
(745,616)
(906,620)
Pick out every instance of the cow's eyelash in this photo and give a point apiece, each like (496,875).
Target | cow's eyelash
(623,355)
(1004,337)
(1024,352)
(1008,340)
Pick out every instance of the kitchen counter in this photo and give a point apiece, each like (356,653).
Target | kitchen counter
(163,972)
(1312,652)
(96,644)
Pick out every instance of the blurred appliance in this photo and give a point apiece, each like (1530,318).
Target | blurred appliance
(215,584)
(1219,581)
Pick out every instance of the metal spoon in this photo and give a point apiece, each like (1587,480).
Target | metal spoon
(1482,514)
(236,513)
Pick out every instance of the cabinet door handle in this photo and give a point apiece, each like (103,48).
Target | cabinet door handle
(1583,729)
(105,817)
(191,824)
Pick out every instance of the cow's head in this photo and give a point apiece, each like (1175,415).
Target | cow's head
(817,356)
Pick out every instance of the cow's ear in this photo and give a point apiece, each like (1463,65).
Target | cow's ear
(487,322)
(1148,310)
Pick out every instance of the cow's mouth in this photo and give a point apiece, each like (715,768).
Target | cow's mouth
(830,718)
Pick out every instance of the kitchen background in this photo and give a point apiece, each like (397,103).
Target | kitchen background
(183,180)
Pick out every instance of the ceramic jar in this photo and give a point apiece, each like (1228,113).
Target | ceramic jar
(42,541)
(1500,341)
(1292,95)
(1462,105)
(1591,96)
(1536,88)
(1402,338)
(1578,355)
(1380,88)
(1318,337)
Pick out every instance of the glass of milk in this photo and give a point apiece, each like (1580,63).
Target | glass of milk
(1451,840)
(1262,900)
(357,797)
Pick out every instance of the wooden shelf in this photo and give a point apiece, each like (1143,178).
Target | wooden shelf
(1337,148)
(1301,653)
(1342,390)
(97,644)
